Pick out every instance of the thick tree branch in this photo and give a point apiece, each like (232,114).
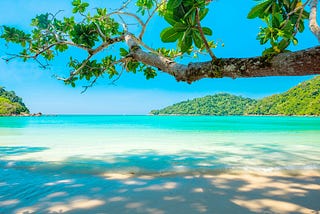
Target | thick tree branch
(300,63)
(314,27)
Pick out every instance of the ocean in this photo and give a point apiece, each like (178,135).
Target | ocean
(51,158)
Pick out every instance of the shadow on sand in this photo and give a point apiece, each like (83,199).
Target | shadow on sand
(80,185)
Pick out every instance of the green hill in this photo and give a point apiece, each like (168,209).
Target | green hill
(303,99)
(218,104)
(11,104)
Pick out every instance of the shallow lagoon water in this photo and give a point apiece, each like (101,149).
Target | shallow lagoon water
(156,144)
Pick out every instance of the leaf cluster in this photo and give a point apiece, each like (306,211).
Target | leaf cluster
(134,66)
(79,6)
(184,28)
(283,19)
(145,5)
(90,32)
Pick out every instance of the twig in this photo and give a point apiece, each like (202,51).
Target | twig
(147,21)
(117,78)
(100,31)
(86,87)
(203,36)
(127,14)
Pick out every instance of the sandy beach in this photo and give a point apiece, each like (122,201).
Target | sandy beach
(223,192)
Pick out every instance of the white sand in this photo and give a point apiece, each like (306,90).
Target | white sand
(226,192)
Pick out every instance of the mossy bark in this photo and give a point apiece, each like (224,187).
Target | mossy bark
(299,63)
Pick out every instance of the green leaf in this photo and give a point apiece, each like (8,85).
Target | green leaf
(283,44)
(169,18)
(207,31)
(85,4)
(179,12)
(186,42)
(123,52)
(197,39)
(82,7)
(111,71)
(190,14)
(75,10)
(268,51)
(180,27)
(203,13)
(173,4)
(61,47)
(305,15)
(169,35)
(149,73)
(76,2)
(301,26)
(43,21)
(191,17)
(102,11)
(259,9)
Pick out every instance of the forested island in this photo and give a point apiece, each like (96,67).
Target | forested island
(11,104)
(303,99)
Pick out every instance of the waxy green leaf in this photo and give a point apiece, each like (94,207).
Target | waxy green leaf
(169,35)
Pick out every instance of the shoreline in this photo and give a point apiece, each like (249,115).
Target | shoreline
(24,115)
(154,115)
(240,115)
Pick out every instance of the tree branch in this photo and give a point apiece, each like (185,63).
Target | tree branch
(128,14)
(109,41)
(77,71)
(91,54)
(100,31)
(313,25)
(147,22)
(300,63)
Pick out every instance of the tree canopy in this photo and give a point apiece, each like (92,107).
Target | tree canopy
(218,104)
(106,30)
(11,104)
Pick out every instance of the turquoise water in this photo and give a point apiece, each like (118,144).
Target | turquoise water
(158,144)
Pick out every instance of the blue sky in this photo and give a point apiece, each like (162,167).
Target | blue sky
(133,94)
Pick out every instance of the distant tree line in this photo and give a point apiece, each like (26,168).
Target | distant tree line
(219,104)
(303,99)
